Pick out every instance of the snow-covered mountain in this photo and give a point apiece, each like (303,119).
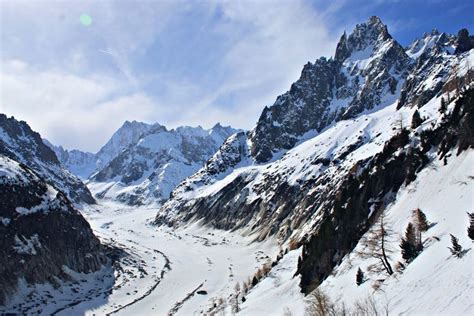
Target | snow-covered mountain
(367,72)
(84,164)
(148,169)
(142,163)
(43,235)
(328,157)
(128,134)
(20,143)
(80,163)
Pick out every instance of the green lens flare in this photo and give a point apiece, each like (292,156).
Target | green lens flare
(85,19)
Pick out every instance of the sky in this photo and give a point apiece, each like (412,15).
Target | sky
(76,70)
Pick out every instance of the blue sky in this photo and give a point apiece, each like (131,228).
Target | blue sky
(176,62)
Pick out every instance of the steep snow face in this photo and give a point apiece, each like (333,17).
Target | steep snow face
(20,143)
(435,282)
(128,134)
(147,171)
(278,293)
(429,41)
(437,69)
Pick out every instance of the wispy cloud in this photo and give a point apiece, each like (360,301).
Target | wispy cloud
(69,109)
(173,62)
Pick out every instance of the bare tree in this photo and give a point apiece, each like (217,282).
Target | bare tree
(377,246)
(457,80)
(320,304)
(236,306)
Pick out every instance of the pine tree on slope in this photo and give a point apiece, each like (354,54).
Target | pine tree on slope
(359,277)
(456,248)
(416,119)
(470,229)
(421,224)
(420,219)
(409,244)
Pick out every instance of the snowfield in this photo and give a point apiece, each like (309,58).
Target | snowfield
(201,258)
(435,283)
(163,267)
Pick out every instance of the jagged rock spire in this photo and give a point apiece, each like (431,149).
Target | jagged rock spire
(364,34)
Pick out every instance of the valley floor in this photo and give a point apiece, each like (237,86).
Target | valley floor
(161,274)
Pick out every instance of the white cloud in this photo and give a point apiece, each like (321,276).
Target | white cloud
(70,110)
(75,81)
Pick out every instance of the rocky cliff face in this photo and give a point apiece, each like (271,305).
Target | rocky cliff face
(295,177)
(367,68)
(20,143)
(42,232)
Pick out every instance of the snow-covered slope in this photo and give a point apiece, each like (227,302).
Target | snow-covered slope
(435,283)
(20,143)
(148,170)
(261,189)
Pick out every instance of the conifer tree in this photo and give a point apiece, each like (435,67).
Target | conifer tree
(421,224)
(416,119)
(470,229)
(359,277)
(409,244)
(443,107)
(421,220)
(456,248)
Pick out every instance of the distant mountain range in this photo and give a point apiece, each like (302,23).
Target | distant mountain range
(142,163)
